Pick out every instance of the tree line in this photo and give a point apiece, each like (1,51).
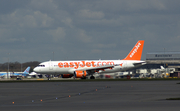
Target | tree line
(17,67)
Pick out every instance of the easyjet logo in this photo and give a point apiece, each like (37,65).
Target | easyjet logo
(135,49)
(76,65)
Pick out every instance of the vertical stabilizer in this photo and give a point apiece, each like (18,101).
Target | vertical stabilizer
(162,67)
(27,70)
(136,52)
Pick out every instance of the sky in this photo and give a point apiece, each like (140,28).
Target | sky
(42,30)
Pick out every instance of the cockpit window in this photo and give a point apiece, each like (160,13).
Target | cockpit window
(41,65)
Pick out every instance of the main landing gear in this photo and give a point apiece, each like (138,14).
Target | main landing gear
(49,77)
(92,77)
(83,78)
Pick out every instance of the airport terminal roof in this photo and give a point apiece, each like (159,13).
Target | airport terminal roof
(164,52)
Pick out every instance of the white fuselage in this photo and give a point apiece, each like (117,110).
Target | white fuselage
(81,69)
(68,67)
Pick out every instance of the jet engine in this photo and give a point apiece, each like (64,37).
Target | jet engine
(80,74)
(66,75)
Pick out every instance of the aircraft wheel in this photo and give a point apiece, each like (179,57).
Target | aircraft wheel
(83,78)
(92,77)
(18,79)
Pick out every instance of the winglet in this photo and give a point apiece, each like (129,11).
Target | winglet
(136,52)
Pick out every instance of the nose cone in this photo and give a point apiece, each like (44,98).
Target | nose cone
(36,69)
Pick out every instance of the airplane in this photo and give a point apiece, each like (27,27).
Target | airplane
(25,73)
(33,73)
(3,74)
(164,72)
(83,68)
(166,69)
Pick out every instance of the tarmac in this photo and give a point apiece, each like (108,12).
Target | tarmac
(90,96)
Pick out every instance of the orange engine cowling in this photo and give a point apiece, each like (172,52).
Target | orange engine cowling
(80,74)
(66,75)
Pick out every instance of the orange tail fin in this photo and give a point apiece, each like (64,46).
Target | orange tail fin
(136,52)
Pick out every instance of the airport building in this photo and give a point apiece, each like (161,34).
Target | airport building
(163,56)
(166,59)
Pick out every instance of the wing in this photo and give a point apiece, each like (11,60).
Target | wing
(139,63)
(97,69)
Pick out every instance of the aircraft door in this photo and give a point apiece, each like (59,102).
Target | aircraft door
(124,64)
(50,65)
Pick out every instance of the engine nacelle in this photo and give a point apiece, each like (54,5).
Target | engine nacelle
(66,75)
(80,74)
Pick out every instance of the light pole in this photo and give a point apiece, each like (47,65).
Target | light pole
(164,63)
(164,57)
(8,66)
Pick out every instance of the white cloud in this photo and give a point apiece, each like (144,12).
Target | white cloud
(68,22)
(105,45)
(57,34)
(27,18)
(98,26)
(47,5)
(36,19)
(82,36)
(7,36)
(151,4)
(19,22)
(90,14)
